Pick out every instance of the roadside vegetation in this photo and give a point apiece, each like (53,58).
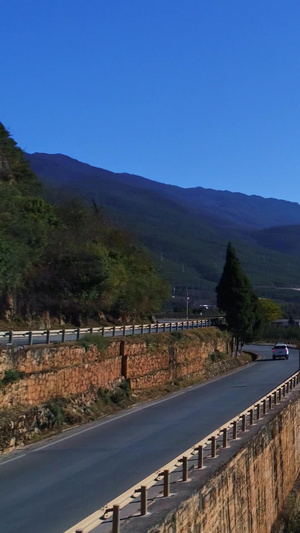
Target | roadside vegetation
(290,334)
(289,518)
(11,376)
(66,263)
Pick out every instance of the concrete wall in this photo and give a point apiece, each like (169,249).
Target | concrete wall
(243,490)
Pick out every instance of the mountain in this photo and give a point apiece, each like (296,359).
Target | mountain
(186,229)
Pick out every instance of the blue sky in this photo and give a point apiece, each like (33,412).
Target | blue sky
(188,92)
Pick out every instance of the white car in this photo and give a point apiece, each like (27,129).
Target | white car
(280,350)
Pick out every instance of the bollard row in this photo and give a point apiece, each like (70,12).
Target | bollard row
(194,458)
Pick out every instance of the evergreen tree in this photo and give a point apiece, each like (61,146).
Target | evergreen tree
(236,298)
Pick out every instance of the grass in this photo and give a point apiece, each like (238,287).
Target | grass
(118,396)
(11,376)
(99,341)
(217,356)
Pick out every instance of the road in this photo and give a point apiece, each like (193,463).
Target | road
(50,486)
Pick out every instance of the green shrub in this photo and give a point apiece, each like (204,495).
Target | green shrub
(178,335)
(217,356)
(56,409)
(104,395)
(121,393)
(151,343)
(291,513)
(117,396)
(11,376)
(97,340)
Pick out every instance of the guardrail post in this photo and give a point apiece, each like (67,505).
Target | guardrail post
(193,324)
(270,401)
(48,336)
(258,411)
(184,468)
(124,331)
(114,331)
(164,327)
(133,329)
(275,397)
(264,409)
(213,447)
(283,391)
(143,500)
(157,327)
(116,519)
(176,326)
(251,413)
(243,422)
(63,335)
(170,326)
(142,329)
(77,334)
(279,394)
(225,438)
(102,331)
(166,483)
(294,382)
(182,325)
(234,430)
(200,457)
(29,338)
(10,336)
(150,328)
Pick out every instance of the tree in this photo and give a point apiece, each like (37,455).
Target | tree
(66,261)
(271,310)
(236,298)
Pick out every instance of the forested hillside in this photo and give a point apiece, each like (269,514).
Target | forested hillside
(65,263)
(187,230)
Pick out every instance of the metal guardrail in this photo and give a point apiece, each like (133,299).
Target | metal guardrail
(192,458)
(110,331)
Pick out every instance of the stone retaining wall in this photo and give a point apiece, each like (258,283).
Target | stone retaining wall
(52,371)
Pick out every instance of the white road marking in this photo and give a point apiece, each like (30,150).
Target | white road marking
(118,417)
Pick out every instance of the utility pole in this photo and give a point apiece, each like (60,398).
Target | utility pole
(187,303)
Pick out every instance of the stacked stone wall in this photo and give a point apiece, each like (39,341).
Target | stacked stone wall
(51,371)
(42,387)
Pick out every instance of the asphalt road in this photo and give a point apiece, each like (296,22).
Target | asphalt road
(46,488)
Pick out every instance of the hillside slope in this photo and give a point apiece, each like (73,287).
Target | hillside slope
(187,230)
(66,263)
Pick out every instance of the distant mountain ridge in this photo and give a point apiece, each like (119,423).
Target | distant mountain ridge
(186,229)
(261,212)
